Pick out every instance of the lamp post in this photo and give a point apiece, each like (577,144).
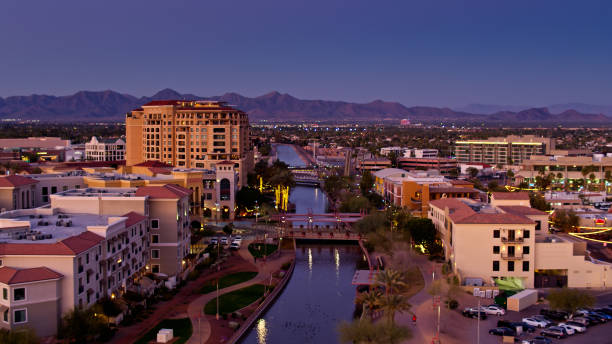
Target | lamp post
(216,213)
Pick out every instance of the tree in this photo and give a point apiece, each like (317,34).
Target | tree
(542,182)
(367,180)
(364,331)
(392,280)
(538,202)
(494,186)
(369,301)
(228,229)
(472,171)
(394,303)
(248,197)
(82,325)
(393,158)
(333,185)
(354,204)
(18,336)
(565,220)
(569,300)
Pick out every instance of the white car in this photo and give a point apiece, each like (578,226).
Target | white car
(535,322)
(224,240)
(574,327)
(234,246)
(494,310)
(214,241)
(238,237)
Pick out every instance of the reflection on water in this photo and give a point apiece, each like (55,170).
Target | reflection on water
(288,155)
(310,307)
(262,331)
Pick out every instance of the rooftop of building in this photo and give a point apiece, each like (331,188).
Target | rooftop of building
(511,196)
(168,191)
(34,142)
(467,211)
(9,275)
(451,189)
(204,105)
(98,192)
(16,180)
(521,210)
(386,172)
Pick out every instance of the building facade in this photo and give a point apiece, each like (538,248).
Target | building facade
(105,149)
(190,134)
(509,150)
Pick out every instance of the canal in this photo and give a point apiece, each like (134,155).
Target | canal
(319,294)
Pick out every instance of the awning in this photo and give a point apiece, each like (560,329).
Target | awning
(364,277)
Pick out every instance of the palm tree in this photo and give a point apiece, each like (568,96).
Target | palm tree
(364,331)
(392,304)
(392,280)
(368,300)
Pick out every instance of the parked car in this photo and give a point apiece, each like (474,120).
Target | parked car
(553,332)
(604,310)
(214,241)
(238,237)
(224,240)
(473,313)
(604,315)
(580,320)
(494,310)
(502,331)
(594,319)
(515,324)
(234,246)
(555,315)
(535,322)
(573,325)
(567,331)
(544,319)
(540,340)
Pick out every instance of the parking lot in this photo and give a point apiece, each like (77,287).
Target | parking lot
(459,329)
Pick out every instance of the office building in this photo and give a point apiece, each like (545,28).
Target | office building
(443,165)
(190,134)
(509,150)
(105,149)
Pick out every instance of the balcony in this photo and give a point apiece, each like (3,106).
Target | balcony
(515,240)
(516,256)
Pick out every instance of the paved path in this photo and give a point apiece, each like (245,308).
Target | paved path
(201,326)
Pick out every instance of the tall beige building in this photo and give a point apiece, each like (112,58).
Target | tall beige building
(502,150)
(190,134)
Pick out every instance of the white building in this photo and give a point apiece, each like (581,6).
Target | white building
(105,149)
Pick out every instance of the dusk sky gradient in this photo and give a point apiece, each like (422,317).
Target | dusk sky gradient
(440,53)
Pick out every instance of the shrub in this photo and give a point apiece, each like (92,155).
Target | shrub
(453,304)
(286,266)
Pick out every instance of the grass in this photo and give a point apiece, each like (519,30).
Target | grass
(257,249)
(182,329)
(235,300)
(227,281)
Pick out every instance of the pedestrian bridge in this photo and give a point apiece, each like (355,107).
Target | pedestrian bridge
(321,235)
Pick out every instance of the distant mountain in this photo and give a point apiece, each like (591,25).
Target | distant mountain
(484,109)
(112,106)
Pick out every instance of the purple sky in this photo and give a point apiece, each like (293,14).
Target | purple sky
(416,52)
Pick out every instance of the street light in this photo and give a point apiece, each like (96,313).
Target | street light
(216,213)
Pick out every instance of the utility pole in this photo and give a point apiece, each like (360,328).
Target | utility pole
(217,299)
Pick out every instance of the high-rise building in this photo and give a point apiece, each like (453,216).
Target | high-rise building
(190,134)
(511,150)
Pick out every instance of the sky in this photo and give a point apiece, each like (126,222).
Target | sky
(434,52)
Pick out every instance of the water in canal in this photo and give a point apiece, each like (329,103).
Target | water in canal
(319,294)
(288,154)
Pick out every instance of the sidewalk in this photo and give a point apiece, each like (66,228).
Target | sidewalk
(202,328)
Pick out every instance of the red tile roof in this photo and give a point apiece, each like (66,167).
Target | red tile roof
(133,218)
(460,182)
(153,163)
(168,191)
(461,213)
(15,180)
(160,170)
(68,247)
(521,210)
(511,196)
(10,275)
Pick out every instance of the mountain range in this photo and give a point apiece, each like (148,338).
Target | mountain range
(274,106)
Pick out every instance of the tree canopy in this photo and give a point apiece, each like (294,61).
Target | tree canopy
(569,300)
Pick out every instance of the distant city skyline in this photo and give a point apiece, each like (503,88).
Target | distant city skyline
(418,53)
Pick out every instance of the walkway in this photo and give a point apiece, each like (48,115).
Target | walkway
(201,326)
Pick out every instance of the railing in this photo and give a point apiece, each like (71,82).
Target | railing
(515,256)
(512,240)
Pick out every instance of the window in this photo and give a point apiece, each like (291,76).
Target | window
(526,234)
(4,294)
(155,268)
(538,225)
(525,249)
(510,266)
(496,265)
(496,233)
(155,254)
(45,190)
(5,316)
(54,189)
(155,238)
(495,249)
(525,265)
(19,294)
(20,316)
(155,224)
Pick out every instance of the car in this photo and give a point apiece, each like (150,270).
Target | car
(234,246)
(526,327)
(238,237)
(535,322)
(494,310)
(540,340)
(553,332)
(555,315)
(581,320)
(578,328)
(603,315)
(224,241)
(214,241)
(502,331)
(544,319)
(604,310)
(567,331)
(473,313)
(594,319)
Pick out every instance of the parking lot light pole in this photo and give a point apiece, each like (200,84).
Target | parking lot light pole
(478,326)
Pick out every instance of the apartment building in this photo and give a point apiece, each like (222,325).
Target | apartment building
(190,134)
(54,260)
(506,239)
(415,190)
(444,165)
(110,149)
(509,150)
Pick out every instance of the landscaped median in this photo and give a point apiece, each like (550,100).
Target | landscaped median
(259,250)
(182,330)
(228,281)
(237,299)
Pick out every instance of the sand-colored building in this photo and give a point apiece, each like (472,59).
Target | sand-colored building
(507,239)
(507,150)
(190,134)
(109,149)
